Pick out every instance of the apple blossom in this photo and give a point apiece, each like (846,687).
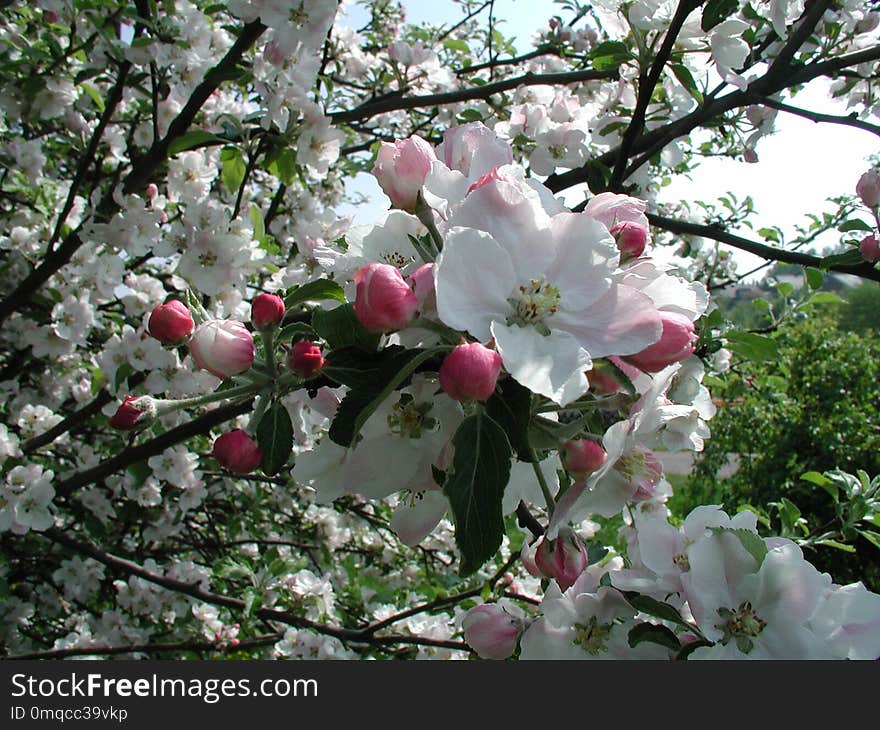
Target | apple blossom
(676,343)
(870,248)
(401,169)
(868,189)
(631,238)
(171,323)
(134,412)
(491,631)
(222,347)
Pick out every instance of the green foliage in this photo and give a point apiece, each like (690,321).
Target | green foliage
(824,413)
(861,311)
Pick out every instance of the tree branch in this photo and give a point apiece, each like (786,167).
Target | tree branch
(716,233)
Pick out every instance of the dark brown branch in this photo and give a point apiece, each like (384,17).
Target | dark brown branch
(134,454)
(370,109)
(716,233)
(847,121)
(647,83)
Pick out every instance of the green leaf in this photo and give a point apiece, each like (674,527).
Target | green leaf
(284,166)
(598,174)
(454,44)
(854,225)
(314,291)
(683,74)
(475,487)
(847,258)
(275,438)
(510,407)
(609,55)
(871,537)
(653,607)
(293,330)
(838,545)
(752,346)
(357,369)
(814,277)
(122,373)
(824,297)
(752,542)
(359,405)
(195,138)
(233,168)
(257,222)
(716,11)
(340,328)
(94,95)
(654,633)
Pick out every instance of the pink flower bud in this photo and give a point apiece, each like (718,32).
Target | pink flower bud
(631,239)
(569,558)
(676,343)
(383,300)
(491,631)
(582,457)
(237,452)
(267,311)
(223,347)
(750,155)
(401,169)
(870,248)
(152,191)
(868,189)
(422,283)
(305,358)
(135,412)
(171,323)
(470,372)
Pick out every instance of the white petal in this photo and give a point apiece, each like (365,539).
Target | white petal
(473,279)
(551,365)
(414,522)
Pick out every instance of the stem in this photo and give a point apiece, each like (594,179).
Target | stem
(425,214)
(545,489)
(268,337)
(169,406)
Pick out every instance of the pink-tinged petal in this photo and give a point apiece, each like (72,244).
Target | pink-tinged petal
(624,321)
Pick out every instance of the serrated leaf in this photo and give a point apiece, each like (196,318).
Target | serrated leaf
(752,346)
(233,168)
(655,634)
(319,290)
(475,488)
(751,542)
(655,608)
(716,11)
(275,438)
(358,405)
(510,407)
(854,225)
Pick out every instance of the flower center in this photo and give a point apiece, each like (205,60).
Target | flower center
(741,625)
(535,303)
(591,637)
(410,419)
(395,258)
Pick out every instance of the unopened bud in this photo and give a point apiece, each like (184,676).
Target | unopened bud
(868,189)
(135,412)
(171,323)
(222,347)
(267,311)
(384,302)
(470,372)
(401,168)
(491,631)
(870,248)
(676,343)
(582,457)
(237,452)
(305,358)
